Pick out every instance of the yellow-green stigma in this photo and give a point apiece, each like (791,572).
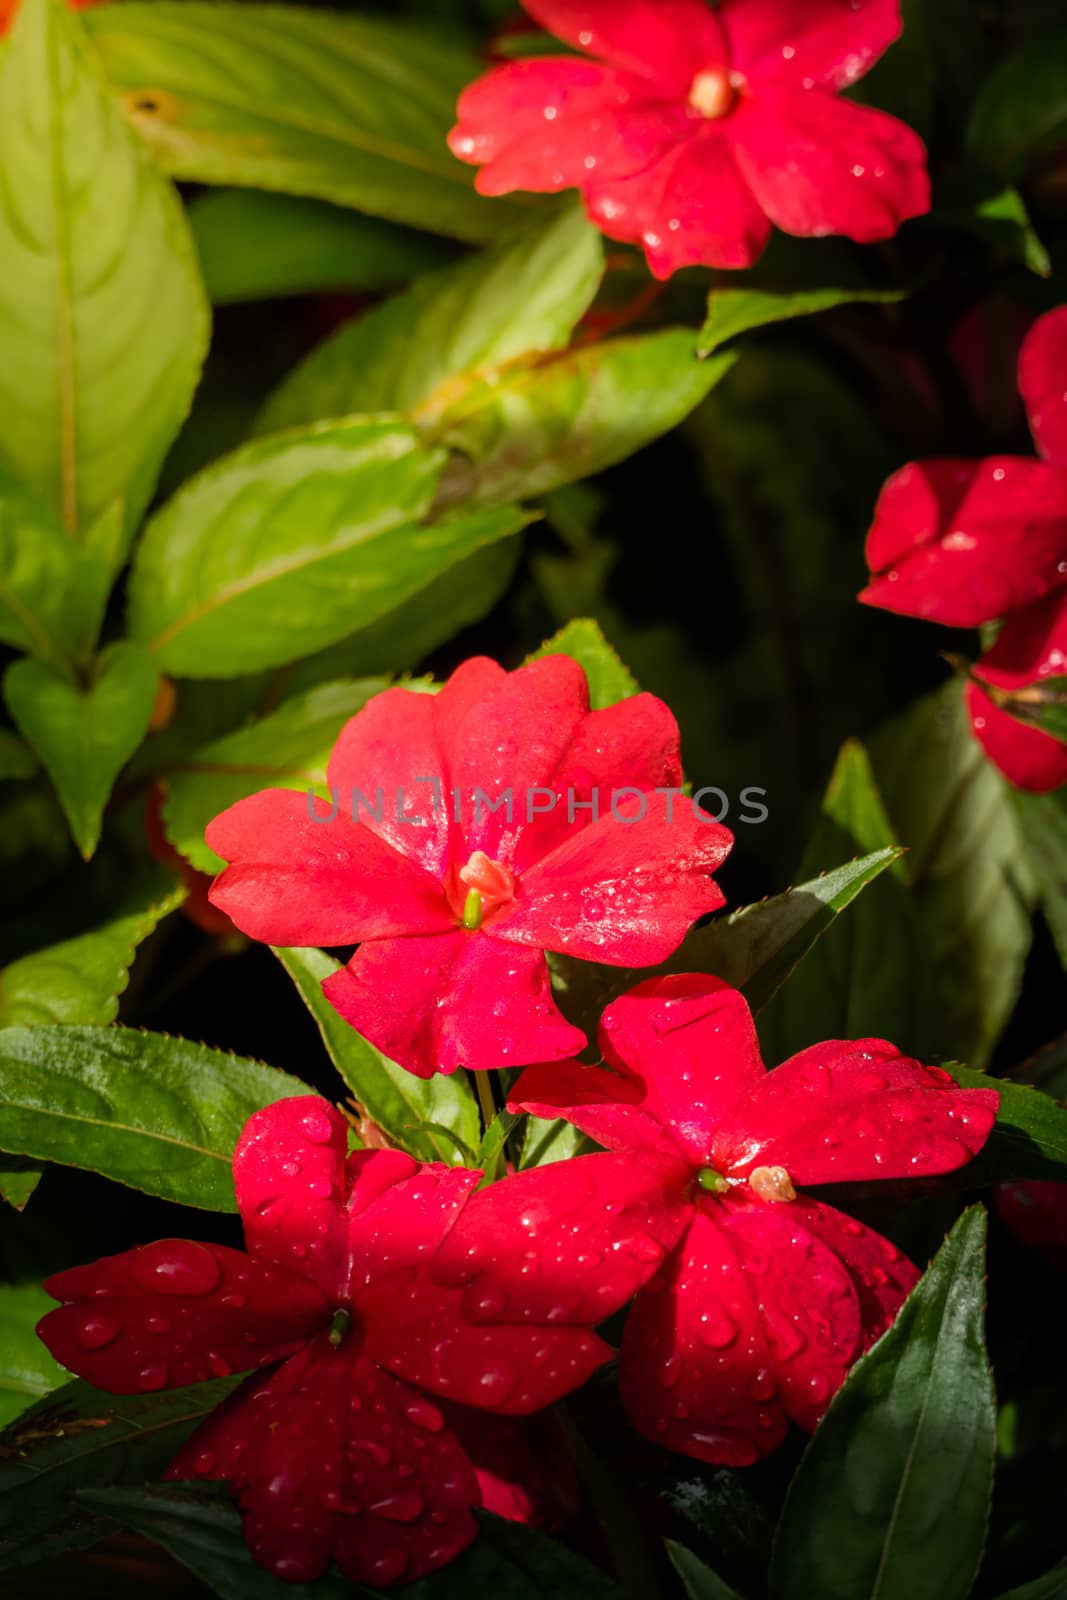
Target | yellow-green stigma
(472,911)
(712,1181)
(340,1327)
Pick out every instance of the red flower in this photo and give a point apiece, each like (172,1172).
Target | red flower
(697,128)
(760,1310)
(1036,1213)
(8,9)
(455,915)
(967,542)
(334,1453)
(1031,647)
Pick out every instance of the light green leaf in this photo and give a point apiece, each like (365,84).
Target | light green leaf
(293,542)
(545,1141)
(18,1180)
(965,866)
(84,737)
(81,979)
(257,246)
(17,760)
(572,415)
(37,560)
(342,108)
(454,330)
(891,1498)
(27,1371)
(401,1104)
(286,750)
(610,680)
(103,318)
(159,1114)
(796,278)
(76,1436)
(699,1580)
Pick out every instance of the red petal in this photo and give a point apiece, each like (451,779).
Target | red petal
(881,1275)
(607,1105)
(668,40)
(296,881)
(567,1243)
(524,1468)
(688,1047)
(1043,382)
(462,999)
(1027,756)
(963,543)
(752,1321)
(399,1213)
(693,207)
(801,42)
(819,165)
(176,1312)
(625,890)
(850,1110)
(331,1458)
(1036,1213)
(1031,645)
(556,123)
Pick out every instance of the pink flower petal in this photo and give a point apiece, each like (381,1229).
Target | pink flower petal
(567,1243)
(459,1000)
(624,890)
(669,40)
(177,1312)
(820,165)
(298,881)
(1027,756)
(964,543)
(851,1110)
(1043,383)
(331,1458)
(801,42)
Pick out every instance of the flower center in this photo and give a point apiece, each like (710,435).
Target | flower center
(713,93)
(772,1184)
(713,1181)
(340,1327)
(489,885)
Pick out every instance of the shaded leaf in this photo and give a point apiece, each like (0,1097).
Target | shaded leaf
(699,1580)
(1029,1140)
(27,1371)
(17,760)
(1022,107)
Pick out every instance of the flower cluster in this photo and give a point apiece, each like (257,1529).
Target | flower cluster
(971,542)
(691,130)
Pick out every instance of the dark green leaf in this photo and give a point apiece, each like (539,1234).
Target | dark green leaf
(1029,1140)
(454,331)
(78,1436)
(17,760)
(102,314)
(286,750)
(609,679)
(401,1104)
(699,1580)
(160,1114)
(1053,1586)
(1022,109)
(342,108)
(84,737)
(998,216)
(256,246)
(892,1496)
(27,1371)
(1043,821)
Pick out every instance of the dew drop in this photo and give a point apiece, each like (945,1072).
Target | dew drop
(95,1332)
(404,1506)
(152,1377)
(316,1127)
(177,1267)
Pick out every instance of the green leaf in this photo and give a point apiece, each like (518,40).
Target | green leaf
(18,1180)
(288,749)
(1043,822)
(81,979)
(37,560)
(965,868)
(454,330)
(610,680)
(27,1371)
(293,542)
(1053,1586)
(159,1114)
(869,977)
(17,760)
(340,108)
(401,1104)
(794,279)
(754,948)
(996,215)
(1022,108)
(257,246)
(84,737)
(1043,706)
(102,314)
(699,1580)
(545,1141)
(891,1497)
(1029,1140)
(77,1436)
(572,415)
(490,1153)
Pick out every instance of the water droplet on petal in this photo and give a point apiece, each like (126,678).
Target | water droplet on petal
(402,1507)
(95,1332)
(176,1266)
(152,1377)
(316,1127)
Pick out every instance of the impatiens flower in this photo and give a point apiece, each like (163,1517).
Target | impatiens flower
(335,1452)
(692,130)
(1036,1213)
(1030,649)
(968,542)
(769,1296)
(473,830)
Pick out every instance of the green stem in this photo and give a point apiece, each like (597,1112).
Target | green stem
(485,1099)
